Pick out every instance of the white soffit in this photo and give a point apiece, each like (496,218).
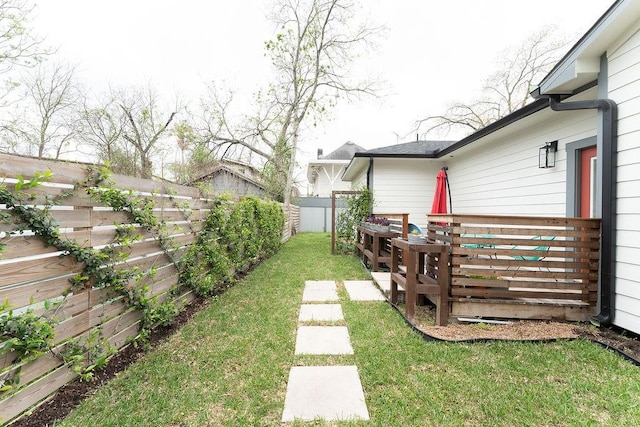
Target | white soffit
(582,64)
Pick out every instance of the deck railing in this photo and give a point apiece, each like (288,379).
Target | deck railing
(399,222)
(520,267)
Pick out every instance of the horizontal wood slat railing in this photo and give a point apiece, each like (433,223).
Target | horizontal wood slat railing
(542,261)
(33,273)
(399,222)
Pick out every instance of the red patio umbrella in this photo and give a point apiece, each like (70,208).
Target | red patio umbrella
(440,197)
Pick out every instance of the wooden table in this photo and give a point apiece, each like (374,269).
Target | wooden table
(373,246)
(427,273)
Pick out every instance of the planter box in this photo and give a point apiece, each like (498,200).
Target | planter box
(417,238)
(376,227)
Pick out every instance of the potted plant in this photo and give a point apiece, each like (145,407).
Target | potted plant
(379,224)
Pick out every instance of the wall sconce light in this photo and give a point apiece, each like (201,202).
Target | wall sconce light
(547,157)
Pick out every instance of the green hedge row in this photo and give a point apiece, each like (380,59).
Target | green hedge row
(236,236)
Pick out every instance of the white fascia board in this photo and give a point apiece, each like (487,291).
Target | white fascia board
(582,64)
(356,168)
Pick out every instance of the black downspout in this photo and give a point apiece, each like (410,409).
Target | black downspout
(370,181)
(446,176)
(609,123)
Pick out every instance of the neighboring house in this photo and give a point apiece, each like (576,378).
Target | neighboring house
(590,104)
(324,173)
(402,177)
(235,178)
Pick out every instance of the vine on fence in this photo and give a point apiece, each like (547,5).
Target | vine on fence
(234,237)
(358,207)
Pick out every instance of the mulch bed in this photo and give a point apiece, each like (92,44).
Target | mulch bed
(624,342)
(69,396)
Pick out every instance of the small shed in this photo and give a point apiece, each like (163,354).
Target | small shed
(233,178)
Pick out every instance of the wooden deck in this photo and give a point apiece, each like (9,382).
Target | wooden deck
(521,267)
(507,267)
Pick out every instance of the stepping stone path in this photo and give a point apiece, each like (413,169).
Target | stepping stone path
(331,393)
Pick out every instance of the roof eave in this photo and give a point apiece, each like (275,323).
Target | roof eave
(355,167)
(523,112)
(582,63)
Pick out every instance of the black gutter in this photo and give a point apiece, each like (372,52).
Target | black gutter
(609,123)
(430,155)
(523,112)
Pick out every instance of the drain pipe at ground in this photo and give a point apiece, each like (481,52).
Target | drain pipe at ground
(609,128)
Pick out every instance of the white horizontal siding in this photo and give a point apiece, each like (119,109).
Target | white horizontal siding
(502,176)
(624,88)
(629,238)
(628,321)
(405,186)
(628,205)
(626,222)
(627,124)
(629,288)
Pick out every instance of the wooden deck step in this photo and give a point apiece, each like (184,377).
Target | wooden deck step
(522,308)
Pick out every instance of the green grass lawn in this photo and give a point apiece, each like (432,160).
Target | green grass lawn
(229,365)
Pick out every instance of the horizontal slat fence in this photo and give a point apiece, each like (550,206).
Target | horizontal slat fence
(292,221)
(32,273)
(507,263)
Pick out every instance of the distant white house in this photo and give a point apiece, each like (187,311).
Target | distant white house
(586,115)
(325,172)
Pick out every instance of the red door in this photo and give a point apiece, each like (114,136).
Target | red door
(587,181)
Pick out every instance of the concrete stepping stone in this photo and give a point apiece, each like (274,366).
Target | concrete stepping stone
(320,284)
(323,340)
(332,393)
(320,312)
(320,290)
(363,290)
(383,280)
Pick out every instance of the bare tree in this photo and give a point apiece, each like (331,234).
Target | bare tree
(45,120)
(508,89)
(19,46)
(101,127)
(312,56)
(145,123)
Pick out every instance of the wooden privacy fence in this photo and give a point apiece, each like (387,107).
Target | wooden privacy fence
(520,267)
(34,275)
(292,221)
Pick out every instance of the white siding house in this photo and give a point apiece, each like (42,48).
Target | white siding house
(324,173)
(402,177)
(590,104)
(499,173)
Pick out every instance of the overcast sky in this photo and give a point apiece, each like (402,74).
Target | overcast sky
(435,52)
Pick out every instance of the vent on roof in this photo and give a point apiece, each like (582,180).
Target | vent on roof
(319,153)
